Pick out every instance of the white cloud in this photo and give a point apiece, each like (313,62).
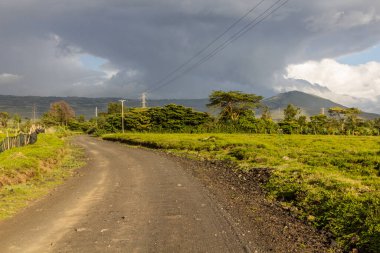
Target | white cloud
(355,86)
(359,81)
(9,78)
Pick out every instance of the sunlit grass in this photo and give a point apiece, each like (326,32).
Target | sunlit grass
(333,179)
(29,172)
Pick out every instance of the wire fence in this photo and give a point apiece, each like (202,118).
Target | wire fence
(19,140)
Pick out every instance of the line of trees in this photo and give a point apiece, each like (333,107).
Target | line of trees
(339,121)
(234,112)
(60,113)
(13,123)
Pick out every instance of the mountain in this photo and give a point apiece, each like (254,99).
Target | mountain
(24,106)
(309,104)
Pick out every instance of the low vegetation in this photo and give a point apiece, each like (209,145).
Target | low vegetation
(330,181)
(29,172)
(233,112)
(324,168)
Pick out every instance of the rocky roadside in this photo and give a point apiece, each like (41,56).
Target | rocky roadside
(263,222)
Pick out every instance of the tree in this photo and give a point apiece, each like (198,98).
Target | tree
(348,117)
(302,122)
(114,108)
(290,123)
(17,121)
(4,117)
(318,124)
(176,118)
(233,104)
(337,112)
(137,119)
(351,119)
(61,112)
(266,115)
(291,112)
(81,119)
(376,126)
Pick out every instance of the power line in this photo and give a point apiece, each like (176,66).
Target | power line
(122,113)
(221,47)
(233,38)
(247,28)
(252,24)
(184,64)
(34,113)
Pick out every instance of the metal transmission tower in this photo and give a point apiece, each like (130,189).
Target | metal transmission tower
(143,100)
(122,113)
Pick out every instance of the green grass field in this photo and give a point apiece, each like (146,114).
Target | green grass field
(330,181)
(4,135)
(29,172)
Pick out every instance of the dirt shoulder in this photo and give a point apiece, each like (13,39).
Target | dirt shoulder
(271,227)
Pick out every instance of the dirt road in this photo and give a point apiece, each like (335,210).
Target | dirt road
(124,200)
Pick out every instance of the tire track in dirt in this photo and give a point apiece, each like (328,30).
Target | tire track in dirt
(123,200)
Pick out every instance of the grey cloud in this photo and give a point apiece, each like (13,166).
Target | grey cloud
(41,40)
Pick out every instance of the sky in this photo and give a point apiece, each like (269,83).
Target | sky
(121,48)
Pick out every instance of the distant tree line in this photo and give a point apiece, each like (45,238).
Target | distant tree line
(169,118)
(234,112)
(60,113)
(13,123)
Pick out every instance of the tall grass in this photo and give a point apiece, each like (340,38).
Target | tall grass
(31,171)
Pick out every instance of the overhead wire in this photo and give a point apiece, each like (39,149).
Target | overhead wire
(212,42)
(252,24)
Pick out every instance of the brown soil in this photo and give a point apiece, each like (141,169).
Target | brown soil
(263,221)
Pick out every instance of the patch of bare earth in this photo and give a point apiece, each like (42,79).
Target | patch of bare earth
(25,175)
(262,221)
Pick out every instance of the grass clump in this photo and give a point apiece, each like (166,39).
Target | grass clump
(330,181)
(29,172)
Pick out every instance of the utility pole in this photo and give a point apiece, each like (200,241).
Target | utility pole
(96,116)
(122,113)
(143,100)
(34,113)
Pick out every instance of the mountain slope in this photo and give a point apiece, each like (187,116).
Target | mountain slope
(309,104)
(82,105)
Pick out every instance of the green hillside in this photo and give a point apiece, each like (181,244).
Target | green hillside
(82,105)
(310,104)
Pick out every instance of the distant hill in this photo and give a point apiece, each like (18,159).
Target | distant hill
(82,105)
(310,104)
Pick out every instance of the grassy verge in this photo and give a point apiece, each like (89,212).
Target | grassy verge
(330,181)
(4,135)
(29,172)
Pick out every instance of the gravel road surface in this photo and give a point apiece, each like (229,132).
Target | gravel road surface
(124,200)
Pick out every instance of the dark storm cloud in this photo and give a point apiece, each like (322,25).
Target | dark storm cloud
(41,42)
